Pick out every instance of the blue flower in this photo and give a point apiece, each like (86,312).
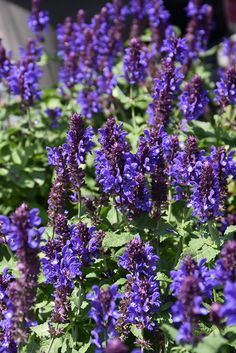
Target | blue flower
(226,89)
(228,309)
(135,62)
(104,312)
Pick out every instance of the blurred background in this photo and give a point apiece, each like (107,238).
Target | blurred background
(14,14)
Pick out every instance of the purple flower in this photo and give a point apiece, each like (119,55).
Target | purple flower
(226,89)
(141,298)
(104,312)
(205,198)
(192,283)
(154,155)
(135,62)
(228,309)
(158,18)
(68,160)
(24,236)
(25,74)
(226,266)
(165,88)
(54,114)
(5,63)
(39,19)
(182,170)
(110,159)
(229,50)
(193,99)
(199,27)
(8,345)
(175,49)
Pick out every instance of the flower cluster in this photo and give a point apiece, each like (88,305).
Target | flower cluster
(205,175)
(54,114)
(39,19)
(24,76)
(24,237)
(141,298)
(73,247)
(68,160)
(193,100)
(225,93)
(88,53)
(7,342)
(199,27)
(229,50)
(5,63)
(105,314)
(135,62)
(166,84)
(192,283)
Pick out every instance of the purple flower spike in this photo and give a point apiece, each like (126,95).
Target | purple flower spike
(39,19)
(192,283)
(104,312)
(226,89)
(24,236)
(228,309)
(141,299)
(194,99)
(135,62)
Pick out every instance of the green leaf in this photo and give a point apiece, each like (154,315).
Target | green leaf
(41,330)
(211,344)
(170,330)
(136,332)
(85,347)
(229,231)
(115,240)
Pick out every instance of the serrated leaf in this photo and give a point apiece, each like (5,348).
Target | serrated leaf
(211,344)
(41,330)
(136,332)
(115,240)
(229,230)
(170,330)
(85,347)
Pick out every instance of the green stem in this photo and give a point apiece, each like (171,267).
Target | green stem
(29,119)
(79,204)
(133,110)
(213,233)
(50,345)
(170,205)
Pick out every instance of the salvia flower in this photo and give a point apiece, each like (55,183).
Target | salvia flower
(192,283)
(24,236)
(25,74)
(209,188)
(225,93)
(182,170)
(39,19)
(110,159)
(141,300)
(175,49)
(226,266)
(104,312)
(199,27)
(158,18)
(135,62)
(205,198)
(8,345)
(229,50)
(5,63)
(228,309)
(154,155)
(54,114)
(165,88)
(193,99)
